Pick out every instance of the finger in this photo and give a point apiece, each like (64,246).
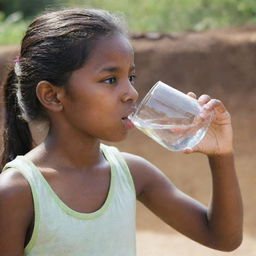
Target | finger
(187,150)
(192,95)
(180,129)
(215,104)
(187,130)
(203,99)
(206,113)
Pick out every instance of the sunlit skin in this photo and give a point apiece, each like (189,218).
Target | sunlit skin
(93,106)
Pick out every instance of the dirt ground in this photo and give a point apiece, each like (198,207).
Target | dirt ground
(221,63)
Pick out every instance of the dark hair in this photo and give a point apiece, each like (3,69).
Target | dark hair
(55,44)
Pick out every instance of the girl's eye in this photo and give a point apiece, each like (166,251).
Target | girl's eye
(110,80)
(132,78)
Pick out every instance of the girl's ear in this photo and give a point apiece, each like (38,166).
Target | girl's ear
(50,96)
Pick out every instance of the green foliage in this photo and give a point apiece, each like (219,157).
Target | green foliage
(141,15)
(147,15)
(220,13)
(28,8)
(177,15)
(12,28)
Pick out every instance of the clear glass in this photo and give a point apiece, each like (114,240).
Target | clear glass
(171,118)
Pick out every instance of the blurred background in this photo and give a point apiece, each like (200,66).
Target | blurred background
(203,46)
(150,15)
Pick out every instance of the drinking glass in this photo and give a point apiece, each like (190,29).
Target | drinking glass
(171,118)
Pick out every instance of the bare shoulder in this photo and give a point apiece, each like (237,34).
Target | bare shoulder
(15,194)
(135,161)
(13,184)
(145,175)
(16,214)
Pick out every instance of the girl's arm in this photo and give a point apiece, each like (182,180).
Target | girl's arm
(16,212)
(218,226)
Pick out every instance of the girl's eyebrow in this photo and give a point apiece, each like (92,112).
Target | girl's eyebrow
(115,69)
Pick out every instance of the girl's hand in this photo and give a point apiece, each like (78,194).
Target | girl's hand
(219,137)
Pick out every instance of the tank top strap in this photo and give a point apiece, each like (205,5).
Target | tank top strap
(122,169)
(28,170)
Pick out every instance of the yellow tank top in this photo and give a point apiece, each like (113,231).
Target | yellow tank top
(61,231)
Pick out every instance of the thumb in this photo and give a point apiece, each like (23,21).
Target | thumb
(187,150)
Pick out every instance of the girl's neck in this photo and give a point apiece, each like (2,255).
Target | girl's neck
(71,152)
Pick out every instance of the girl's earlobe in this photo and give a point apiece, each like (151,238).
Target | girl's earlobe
(50,96)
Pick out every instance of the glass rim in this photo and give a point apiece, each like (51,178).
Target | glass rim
(146,97)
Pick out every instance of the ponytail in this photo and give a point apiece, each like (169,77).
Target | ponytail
(17,135)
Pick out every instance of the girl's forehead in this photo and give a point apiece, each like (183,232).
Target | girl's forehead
(115,49)
(116,41)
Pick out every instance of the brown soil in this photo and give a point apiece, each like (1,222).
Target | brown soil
(221,63)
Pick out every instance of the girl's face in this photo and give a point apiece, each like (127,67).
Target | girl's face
(100,95)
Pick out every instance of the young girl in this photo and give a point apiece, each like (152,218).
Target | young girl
(72,195)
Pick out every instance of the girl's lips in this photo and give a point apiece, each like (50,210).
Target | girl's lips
(128,123)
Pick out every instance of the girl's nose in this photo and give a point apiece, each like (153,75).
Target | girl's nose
(130,94)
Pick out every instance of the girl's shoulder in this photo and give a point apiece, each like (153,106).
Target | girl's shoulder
(14,186)
(16,214)
(145,174)
(135,161)
(140,166)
